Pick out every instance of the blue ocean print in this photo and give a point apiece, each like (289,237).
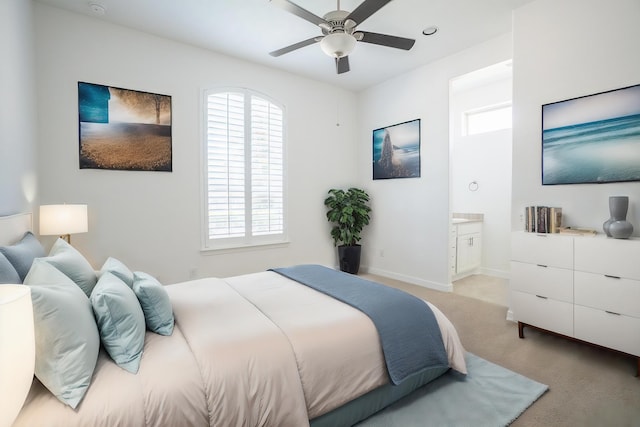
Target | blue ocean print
(592,139)
(593,152)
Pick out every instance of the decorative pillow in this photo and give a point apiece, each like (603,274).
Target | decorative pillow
(155,303)
(119,269)
(120,321)
(8,274)
(67,340)
(22,254)
(67,259)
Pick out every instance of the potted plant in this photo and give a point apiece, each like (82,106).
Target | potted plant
(348,211)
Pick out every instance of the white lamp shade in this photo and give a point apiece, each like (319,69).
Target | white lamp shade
(338,44)
(17,350)
(63,219)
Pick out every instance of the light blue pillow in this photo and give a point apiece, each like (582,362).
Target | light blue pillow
(119,269)
(67,259)
(67,340)
(8,274)
(155,303)
(22,254)
(120,321)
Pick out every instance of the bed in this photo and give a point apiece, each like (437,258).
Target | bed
(258,349)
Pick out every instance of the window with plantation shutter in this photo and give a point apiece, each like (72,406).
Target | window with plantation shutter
(244,170)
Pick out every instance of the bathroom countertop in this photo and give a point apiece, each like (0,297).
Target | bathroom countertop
(463,220)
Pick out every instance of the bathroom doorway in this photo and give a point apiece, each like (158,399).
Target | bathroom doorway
(480,146)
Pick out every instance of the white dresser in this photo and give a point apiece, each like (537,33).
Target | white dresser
(587,288)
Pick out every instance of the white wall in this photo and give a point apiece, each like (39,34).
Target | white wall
(18,118)
(485,159)
(151,220)
(409,235)
(563,50)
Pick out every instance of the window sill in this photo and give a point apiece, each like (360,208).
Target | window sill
(239,249)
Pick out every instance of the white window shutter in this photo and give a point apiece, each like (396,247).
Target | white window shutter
(244,167)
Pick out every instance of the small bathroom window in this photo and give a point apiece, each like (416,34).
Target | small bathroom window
(487,119)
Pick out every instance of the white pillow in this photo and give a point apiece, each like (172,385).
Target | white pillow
(67,340)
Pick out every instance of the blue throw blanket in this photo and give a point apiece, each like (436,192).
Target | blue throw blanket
(409,333)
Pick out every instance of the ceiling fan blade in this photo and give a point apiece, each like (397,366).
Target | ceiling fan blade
(300,12)
(342,64)
(384,40)
(295,46)
(365,10)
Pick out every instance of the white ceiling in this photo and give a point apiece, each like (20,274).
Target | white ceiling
(250,29)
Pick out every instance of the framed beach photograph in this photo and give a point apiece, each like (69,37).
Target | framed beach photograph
(592,139)
(124,129)
(396,151)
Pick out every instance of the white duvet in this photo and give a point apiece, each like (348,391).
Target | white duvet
(251,350)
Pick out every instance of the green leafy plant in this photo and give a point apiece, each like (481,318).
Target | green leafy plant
(348,211)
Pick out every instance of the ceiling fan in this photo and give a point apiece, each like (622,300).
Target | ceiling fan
(339,31)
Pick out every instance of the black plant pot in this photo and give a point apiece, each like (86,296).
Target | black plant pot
(349,257)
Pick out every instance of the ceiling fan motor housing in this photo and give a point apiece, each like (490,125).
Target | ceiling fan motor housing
(337,20)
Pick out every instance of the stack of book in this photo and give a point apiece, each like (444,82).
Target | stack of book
(543,219)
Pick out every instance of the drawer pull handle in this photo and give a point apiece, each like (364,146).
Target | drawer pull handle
(612,312)
(611,277)
(542,265)
(540,296)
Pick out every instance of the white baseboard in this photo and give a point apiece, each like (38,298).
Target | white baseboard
(410,279)
(510,316)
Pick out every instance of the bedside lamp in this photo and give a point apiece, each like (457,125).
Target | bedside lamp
(63,220)
(17,350)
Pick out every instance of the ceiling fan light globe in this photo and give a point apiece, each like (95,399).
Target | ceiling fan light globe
(338,45)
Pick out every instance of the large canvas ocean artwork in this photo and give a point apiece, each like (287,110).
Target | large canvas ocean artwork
(592,139)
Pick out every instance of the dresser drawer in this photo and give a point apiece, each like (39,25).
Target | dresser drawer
(609,330)
(617,257)
(556,283)
(546,249)
(545,313)
(618,295)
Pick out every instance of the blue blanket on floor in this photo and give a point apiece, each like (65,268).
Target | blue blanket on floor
(409,333)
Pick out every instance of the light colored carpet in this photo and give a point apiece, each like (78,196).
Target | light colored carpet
(488,396)
(485,288)
(588,386)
